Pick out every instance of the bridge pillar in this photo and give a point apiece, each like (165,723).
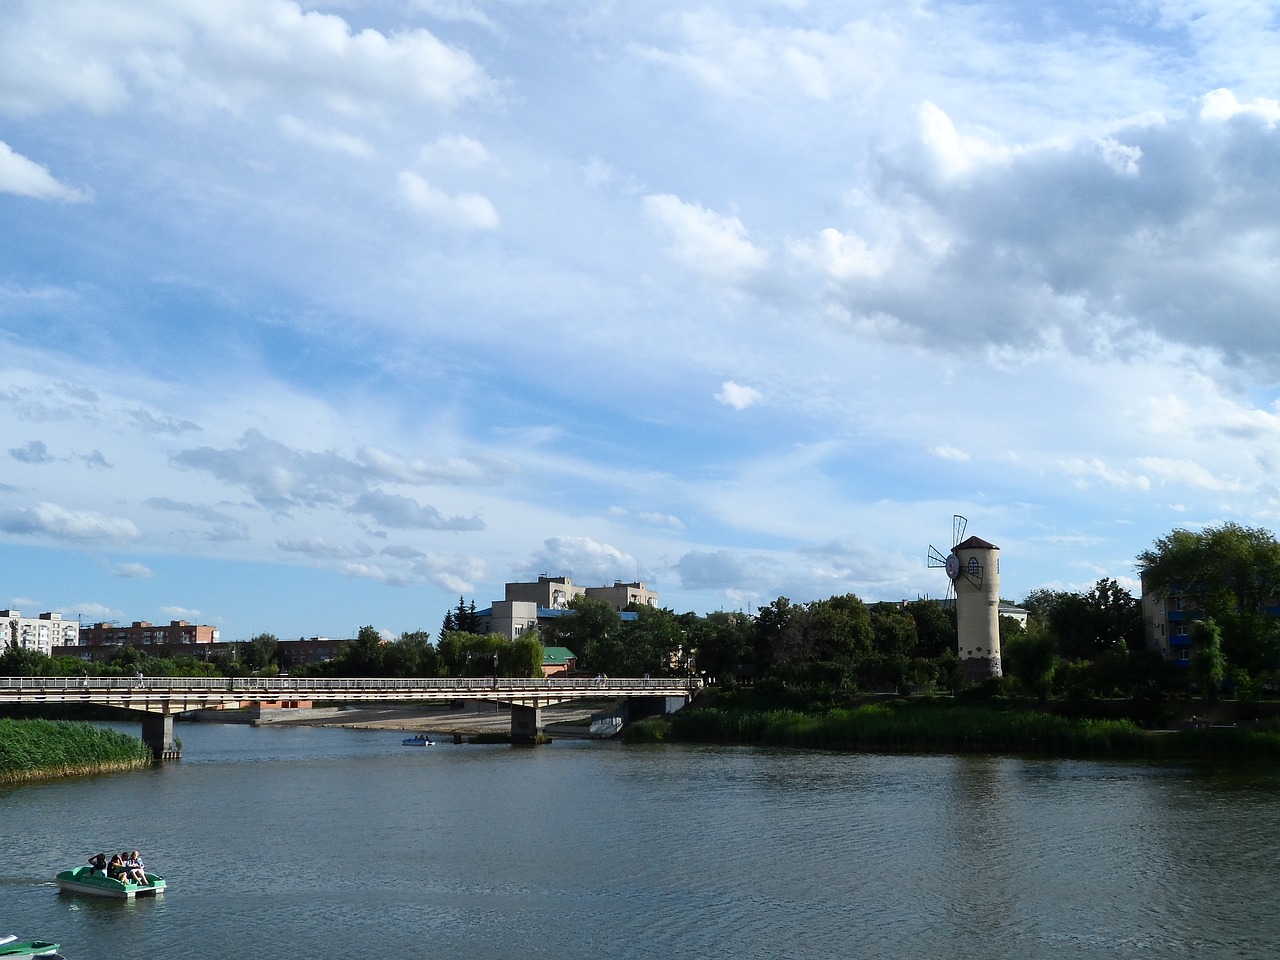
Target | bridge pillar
(526,723)
(157,734)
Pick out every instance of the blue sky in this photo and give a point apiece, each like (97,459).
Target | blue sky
(320,315)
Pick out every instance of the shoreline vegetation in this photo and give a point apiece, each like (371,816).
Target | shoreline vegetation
(49,749)
(936,726)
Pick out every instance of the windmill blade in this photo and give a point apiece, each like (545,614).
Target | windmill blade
(936,557)
(958,526)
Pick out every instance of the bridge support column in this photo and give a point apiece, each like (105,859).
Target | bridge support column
(526,723)
(157,734)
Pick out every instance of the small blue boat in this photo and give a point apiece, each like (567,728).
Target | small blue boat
(421,740)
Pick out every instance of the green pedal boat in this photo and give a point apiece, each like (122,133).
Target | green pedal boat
(95,884)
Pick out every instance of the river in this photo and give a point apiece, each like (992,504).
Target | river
(319,843)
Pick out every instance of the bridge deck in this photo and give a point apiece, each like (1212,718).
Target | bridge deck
(179,694)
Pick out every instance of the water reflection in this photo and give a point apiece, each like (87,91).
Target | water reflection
(320,843)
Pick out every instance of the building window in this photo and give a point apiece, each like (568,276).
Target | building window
(973,566)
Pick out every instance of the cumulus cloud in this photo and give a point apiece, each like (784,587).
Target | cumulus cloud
(277,476)
(588,562)
(34,451)
(945,451)
(326,139)
(709,244)
(392,510)
(1166,226)
(224,55)
(52,520)
(131,571)
(26,178)
(456,150)
(737,396)
(453,470)
(463,211)
(322,549)
(729,570)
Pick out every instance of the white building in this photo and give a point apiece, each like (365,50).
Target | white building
(41,633)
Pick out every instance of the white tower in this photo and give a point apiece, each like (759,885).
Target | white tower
(974,568)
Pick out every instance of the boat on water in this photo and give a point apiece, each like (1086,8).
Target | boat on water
(95,884)
(11,948)
(421,740)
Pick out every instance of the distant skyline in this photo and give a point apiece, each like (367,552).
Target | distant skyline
(322,315)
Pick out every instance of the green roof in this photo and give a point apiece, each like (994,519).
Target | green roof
(557,656)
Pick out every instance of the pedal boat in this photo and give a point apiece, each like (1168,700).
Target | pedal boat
(89,881)
(421,740)
(11,948)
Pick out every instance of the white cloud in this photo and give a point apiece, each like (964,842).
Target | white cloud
(841,256)
(456,151)
(589,563)
(326,139)
(1221,104)
(132,571)
(52,520)
(465,211)
(706,243)
(945,451)
(26,178)
(956,153)
(739,397)
(223,54)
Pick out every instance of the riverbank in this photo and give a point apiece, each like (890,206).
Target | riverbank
(49,749)
(904,726)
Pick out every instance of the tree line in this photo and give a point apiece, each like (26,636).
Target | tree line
(1074,644)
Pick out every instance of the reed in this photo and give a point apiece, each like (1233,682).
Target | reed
(917,727)
(38,749)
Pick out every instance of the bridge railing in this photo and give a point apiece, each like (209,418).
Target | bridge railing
(305,688)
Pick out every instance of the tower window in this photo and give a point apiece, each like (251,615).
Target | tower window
(973,566)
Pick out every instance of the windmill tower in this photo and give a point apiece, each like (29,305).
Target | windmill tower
(973,569)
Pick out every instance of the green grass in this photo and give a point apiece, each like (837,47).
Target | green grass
(938,727)
(38,749)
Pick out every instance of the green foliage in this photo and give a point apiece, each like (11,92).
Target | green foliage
(33,748)
(594,632)
(915,726)
(1208,665)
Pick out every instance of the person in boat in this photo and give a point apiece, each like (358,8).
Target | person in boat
(99,863)
(116,869)
(133,867)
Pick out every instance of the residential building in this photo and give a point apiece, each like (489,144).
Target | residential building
(622,595)
(1166,622)
(530,604)
(41,633)
(143,634)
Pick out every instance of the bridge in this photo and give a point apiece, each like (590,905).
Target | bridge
(160,699)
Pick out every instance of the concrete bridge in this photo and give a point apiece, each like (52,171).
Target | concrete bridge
(160,699)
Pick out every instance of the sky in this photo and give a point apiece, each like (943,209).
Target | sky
(319,315)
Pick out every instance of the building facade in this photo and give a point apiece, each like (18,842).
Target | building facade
(1166,621)
(143,634)
(41,633)
(529,604)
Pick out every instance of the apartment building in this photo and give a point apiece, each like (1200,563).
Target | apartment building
(41,633)
(143,634)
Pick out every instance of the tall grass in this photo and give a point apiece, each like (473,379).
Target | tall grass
(38,749)
(917,727)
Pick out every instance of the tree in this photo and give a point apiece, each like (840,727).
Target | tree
(1230,573)
(261,652)
(721,642)
(651,643)
(1208,664)
(592,631)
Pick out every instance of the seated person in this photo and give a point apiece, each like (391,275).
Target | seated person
(116,869)
(133,868)
(99,863)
